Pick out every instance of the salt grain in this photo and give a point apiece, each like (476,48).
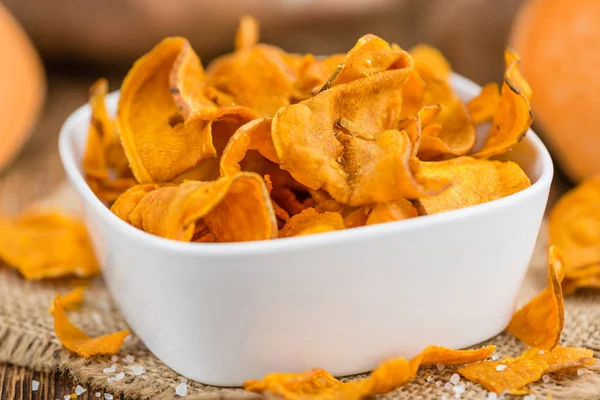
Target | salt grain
(34,385)
(541,352)
(108,396)
(440,367)
(114,358)
(580,371)
(529,397)
(500,367)
(455,378)
(492,396)
(119,376)
(67,397)
(458,390)
(111,379)
(110,370)
(79,390)
(137,370)
(545,378)
(369,61)
(438,383)
(129,359)
(430,379)
(96,317)
(181,389)
(183,380)
(495,357)
(98,394)
(127,338)
(448,386)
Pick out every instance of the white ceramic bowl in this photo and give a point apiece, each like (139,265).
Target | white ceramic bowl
(343,301)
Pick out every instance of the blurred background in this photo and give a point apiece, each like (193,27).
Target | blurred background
(81,40)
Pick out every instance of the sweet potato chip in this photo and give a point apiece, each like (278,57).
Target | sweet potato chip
(473,182)
(125,204)
(46,245)
(370,55)
(247,33)
(312,73)
(431,59)
(71,300)
(318,384)
(540,322)
(512,374)
(483,107)
(392,211)
(513,116)
(234,209)
(77,341)
(309,222)
(335,142)
(575,225)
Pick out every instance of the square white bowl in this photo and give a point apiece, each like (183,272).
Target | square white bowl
(226,312)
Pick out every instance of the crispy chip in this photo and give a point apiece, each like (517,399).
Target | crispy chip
(319,384)
(309,222)
(587,277)
(234,209)
(125,204)
(513,116)
(575,225)
(247,33)
(332,141)
(540,322)
(392,211)
(512,374)
(78,341)
(46,245)
(473,182)
(483,107)
(312,73)
(70,301)
(431,59)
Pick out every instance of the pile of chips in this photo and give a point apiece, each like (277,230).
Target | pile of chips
(265,144)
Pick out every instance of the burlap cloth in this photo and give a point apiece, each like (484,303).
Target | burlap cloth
(27,339)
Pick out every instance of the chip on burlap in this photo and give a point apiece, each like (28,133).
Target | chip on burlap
(27,339)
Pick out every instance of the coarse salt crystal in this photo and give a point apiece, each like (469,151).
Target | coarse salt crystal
(529,397)
(369,61)
(181,389)
(455,378)
(580,371)
(137,369)
(34,385)
(500,367)
(96,317)
(67,397)
(541,352)
(430,378)
(438,383)
(440,367)
(108,396)
(119,376)
(110,370)
(546,378)
(495,357)
(492,396)
(114,358)
(183,380)
(79,390)
(111,379)
(129,359)
(98,394)
(448,386)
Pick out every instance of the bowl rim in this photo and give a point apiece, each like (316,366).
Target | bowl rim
(67,155)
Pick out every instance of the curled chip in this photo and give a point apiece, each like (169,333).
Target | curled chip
(583,277)
(431,59)
(78,341)
(513,116)
(70,301)
(540,322)
(247,33)
(312,73)
(512,374)
(392,211)
(319,384)
(234,209)
(46,245)
(575,225)
(483,107)
(310,221)
(473,182)
(338,141)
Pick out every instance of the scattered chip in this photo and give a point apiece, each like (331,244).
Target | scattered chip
(70,301)
(77,341)
(47,245)
(540,322)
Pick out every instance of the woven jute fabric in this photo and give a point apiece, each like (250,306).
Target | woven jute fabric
(27,338)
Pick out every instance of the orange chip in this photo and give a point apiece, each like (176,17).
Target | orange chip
(473,182)
(540,322)
(319,384)
(370,55)
(312,73)
(431,59)
(513,117)
(483,107)
(586,277)
(561,358)
(334,142)
(286,198)
(78,341)
(575,225)
(125,204)
(392,211)
(70,301)
(247,33)
(309,222)
(234,209)
(47,245)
